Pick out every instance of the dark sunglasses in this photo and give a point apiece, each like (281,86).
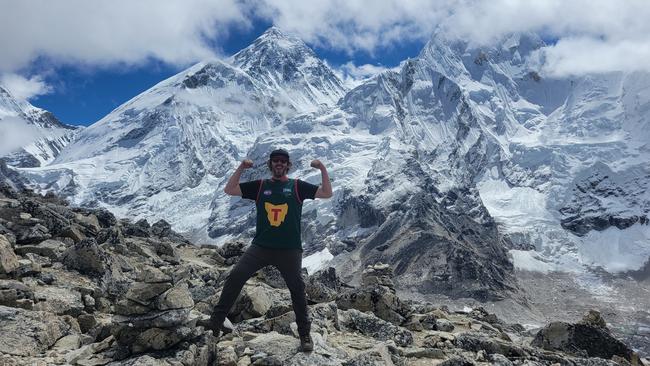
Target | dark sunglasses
(283,161)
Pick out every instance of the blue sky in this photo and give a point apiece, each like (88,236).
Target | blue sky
(80,59)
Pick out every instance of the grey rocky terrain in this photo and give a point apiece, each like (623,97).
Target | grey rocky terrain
(80,287)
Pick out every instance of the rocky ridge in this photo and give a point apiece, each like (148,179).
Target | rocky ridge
(80,287)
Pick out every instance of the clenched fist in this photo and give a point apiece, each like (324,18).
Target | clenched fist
(316,164)
(247,163)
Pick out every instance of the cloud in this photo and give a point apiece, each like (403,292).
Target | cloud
(353,75)
(22,88)
(110,32)
(16,133)
(618,30)
(185,31)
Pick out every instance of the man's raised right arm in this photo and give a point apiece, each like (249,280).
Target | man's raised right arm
(232,187)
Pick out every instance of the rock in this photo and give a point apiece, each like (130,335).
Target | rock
(256,300)
(444,325)
(272,277)
(67,343)
(457,360)
(87,257)
(152,275)
(372,326)
(128,308)
(12,292)
(159,339)
(27,268)
(479,342)
(89,223)
(145,293)
(52,216)
(380,300)
(233,249)
(32,234)
(323,286)
(139,229)
(577,338)
(105,218)
(28,333)
(52,249)
(161,228)
(59,301)
(226,356)
(594,319)
(8,259)
(378,274)
(177,297)
(73,233)
(158,319)
(86,322)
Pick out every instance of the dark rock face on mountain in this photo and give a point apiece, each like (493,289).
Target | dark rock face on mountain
(79,287)
(601,199)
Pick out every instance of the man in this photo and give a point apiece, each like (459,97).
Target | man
(277,237)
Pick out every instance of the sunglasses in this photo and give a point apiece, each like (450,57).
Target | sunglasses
(283,161)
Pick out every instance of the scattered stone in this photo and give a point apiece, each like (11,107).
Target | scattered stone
(87,257)
(370,325)
(73,233)
(8,259)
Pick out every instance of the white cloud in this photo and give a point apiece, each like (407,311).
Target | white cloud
(22,88)
(353,75)
(15,133)
(116,31)
(594,35)
(105,32)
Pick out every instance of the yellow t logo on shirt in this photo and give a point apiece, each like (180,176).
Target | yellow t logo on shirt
(276,213)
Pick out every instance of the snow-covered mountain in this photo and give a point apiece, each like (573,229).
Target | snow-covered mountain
(438,168)
(32,136)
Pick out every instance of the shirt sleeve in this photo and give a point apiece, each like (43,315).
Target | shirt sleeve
(249,189)
(306,191)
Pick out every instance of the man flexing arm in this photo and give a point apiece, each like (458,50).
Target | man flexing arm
(232,187)
(325,189)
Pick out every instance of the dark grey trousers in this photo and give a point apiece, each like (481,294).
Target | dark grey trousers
(287,261)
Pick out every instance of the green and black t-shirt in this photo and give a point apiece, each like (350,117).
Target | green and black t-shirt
(279,209)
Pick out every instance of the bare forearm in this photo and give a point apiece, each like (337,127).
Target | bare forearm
(232,187)
(326,185)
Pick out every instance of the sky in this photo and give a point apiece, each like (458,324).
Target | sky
(81,59)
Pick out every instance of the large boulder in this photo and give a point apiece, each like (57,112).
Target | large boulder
(588,337)
(28,333)
(370,325)
(380,300)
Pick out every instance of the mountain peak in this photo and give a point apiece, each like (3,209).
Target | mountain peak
(285,62)
(273,31)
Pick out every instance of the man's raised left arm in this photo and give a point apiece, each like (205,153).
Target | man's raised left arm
(325,189)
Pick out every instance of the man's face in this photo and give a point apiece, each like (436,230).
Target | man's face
(279,166)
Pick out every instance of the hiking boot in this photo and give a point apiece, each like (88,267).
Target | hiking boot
(306,344)
(217,329)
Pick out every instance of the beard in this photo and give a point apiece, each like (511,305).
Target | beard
(279,171)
